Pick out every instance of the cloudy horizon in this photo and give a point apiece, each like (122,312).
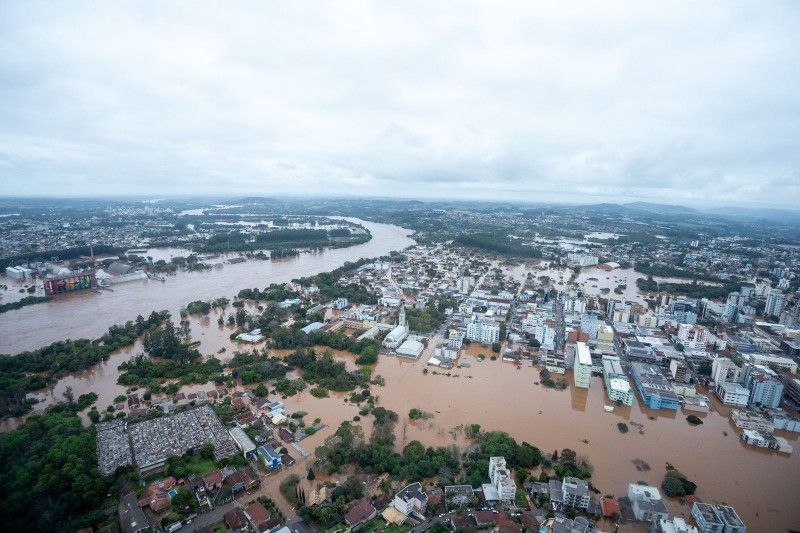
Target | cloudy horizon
(692,104)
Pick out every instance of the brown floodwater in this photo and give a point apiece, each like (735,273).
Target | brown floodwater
(89,314)
(762,485)
(499,396)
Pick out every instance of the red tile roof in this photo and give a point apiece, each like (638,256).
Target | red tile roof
(360,511)
(258,514)
(610,506)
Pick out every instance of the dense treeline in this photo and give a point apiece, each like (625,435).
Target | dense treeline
(49,477)
(668,271)
(497,244)
(255,368)
(28,300)
(170,343)
(275,293)
(282,338)
(429,317)
(279,239)
(330,288)
(347,446)
(692,290)
(141,371)
(35,369)
(326,371)
(66,253)
(292,236)
(498,443)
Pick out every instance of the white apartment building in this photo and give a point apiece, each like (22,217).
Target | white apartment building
(575,493)
(582,371)
(501,478)
(647,503)
(583,259)
(618,388)
(723,370)
(784,363)
(483,332)
(732,394)
(411,499)
(776,301)
(693,337)
(454,340)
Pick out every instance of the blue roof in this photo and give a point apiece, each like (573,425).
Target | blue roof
(268,452)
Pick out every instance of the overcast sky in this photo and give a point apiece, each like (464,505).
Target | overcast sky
(541,101)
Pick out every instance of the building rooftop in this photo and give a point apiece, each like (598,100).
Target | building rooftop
(582,354)
(412,491)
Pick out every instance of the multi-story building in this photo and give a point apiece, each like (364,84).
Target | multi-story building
(723,370)
(692,336)
(455,339)
(483,332)
(675,524)
(501,478)
(786,364)
(731,307)
(575,493)
(717,518)
(791,390)
(732,394)
(764,386)
(647,503)
(743,419)
(776,301)
(678,371)
(605,333)
(684,311)
(583,259)
(654,389)
(411,499)
(590,324)
(618,388)
(582,370)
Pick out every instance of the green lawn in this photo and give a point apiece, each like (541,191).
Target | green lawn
(379,523)
(199,466)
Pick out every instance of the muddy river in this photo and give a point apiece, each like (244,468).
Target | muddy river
(89,314)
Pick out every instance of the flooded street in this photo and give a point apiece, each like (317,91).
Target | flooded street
(89,315)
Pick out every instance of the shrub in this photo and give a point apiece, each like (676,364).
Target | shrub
(694,420)
(622,427)
(319,392)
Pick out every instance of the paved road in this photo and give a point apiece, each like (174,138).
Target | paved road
(209,519)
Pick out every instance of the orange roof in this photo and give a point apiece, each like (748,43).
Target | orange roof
(610,506)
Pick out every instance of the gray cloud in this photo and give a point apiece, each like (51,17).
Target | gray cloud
(667,101)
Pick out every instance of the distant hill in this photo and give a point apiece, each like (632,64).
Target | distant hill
(661,209)
(757,213)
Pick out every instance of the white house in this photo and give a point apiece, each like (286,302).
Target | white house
(411,499)
(647,503)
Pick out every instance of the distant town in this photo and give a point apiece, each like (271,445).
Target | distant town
(484,371)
